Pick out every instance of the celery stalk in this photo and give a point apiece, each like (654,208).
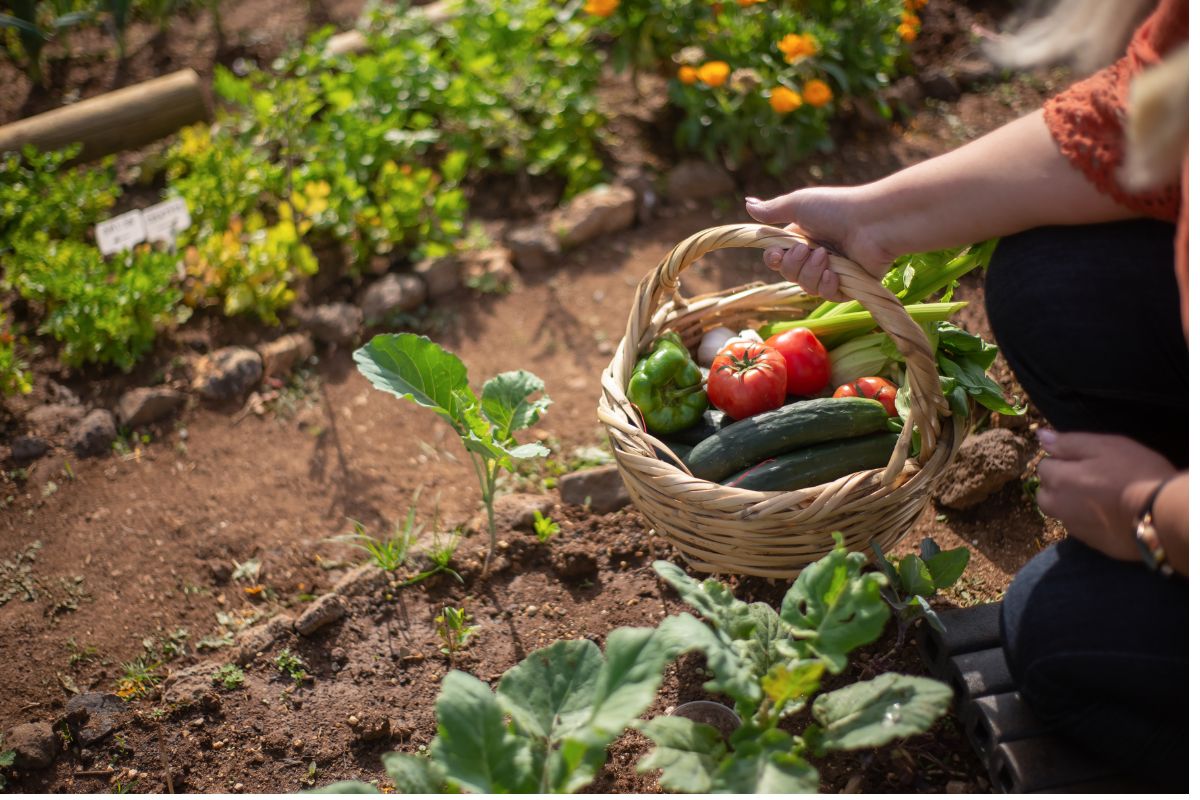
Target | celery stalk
(834,330)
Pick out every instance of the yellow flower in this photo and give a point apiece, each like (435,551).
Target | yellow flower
(714,73)
(910,19)
(687,75)
(797,47)
(907,32)
(601,8)
(817,92)
(784,100)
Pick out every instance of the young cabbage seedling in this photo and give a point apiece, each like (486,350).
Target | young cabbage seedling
(452,626)
(543,527)
(914,579)
(412,367)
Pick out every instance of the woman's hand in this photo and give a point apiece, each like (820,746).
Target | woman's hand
(1096,485)
(831,218)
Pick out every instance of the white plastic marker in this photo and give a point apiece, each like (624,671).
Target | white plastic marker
(121,232)
(165,220)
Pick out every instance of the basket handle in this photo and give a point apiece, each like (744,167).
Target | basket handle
(927,404)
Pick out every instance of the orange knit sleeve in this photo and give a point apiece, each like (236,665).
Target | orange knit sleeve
(1087,119)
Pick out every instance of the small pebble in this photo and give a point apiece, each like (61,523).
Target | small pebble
(352,720)
(297,743)
(237,787)
(218,745)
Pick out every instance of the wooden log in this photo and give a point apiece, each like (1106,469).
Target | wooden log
(122,120)
(353,42)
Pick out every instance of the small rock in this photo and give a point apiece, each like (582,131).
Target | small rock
(370,726)
(221,571)
(534,247)
(192,686)
(336,323)
(54,418)
(251,641)
(644,190)
(493,264)
(905,95)
(514,512)
(149,404)
(599,487)
(94,715)
(573,561)
(361,581)
(34,744)
(983,465)
(598,211)
(324,610)
(392,294)
(696,180)
(95,434)
(338,655)
(442,276)
(28,448)
(281,625)
(281,356)
(228,373)
(940,86)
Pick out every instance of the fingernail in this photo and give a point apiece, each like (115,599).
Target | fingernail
(1046,436)
(754,200)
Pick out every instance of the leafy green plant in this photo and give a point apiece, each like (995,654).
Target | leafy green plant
(453,627)
(6,760)
(914,579)
(31,24)
(771,664)
(41,194)
(388,554)
(229,676)
(547,727)
(138,677)
(414,368)
(291,665)
(14,372)
(544,527)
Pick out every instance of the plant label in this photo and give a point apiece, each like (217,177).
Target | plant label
(165,220)
(121,232)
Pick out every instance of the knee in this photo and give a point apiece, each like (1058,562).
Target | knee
(1014,286)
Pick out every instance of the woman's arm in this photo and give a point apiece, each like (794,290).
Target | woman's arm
(1010,180)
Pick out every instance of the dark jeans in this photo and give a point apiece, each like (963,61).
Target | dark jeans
(1088,318)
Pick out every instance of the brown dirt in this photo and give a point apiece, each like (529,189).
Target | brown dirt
(139,546)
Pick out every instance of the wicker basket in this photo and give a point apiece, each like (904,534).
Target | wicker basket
(770,534)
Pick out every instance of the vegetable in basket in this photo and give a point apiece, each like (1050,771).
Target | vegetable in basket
(807,361)
(873,387)
(668,387)
(747,378)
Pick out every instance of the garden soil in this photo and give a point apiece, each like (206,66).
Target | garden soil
(225,520)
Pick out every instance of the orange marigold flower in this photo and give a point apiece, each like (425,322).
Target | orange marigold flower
(915,5)
(797,47)
(601,8)
(817,92)
(784,100)
(910,19)
(907,32)
(687,75)
(748,3)
(714,73)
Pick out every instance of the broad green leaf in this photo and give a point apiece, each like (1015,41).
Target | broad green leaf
(971,377)
(7,757)
(875,712)
(767,764)
(572,766)
(914,577)
(833,608)
(928,548)
(966,345)
(686,751)
(633,663)
(343,787)
(885,565)
(683,633)
(947,566)
(473,745)
(931,616)
(711,598)
(550,693)
(414,368)
(412,774)
(506,403)
(787,682)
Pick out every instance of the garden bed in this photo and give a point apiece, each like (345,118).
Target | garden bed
(137,551)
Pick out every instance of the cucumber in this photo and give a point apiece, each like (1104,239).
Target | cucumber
(772,433)
(817,464)
(713,420)
(678,448)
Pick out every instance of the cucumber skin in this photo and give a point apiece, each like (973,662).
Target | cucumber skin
(817,464)
(772,433)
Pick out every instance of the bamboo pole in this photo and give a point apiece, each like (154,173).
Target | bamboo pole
(122,120)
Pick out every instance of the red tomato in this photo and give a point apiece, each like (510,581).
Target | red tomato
(747,378)
(874,388)
(807,361)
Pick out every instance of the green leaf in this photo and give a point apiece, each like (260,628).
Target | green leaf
(344,787)
(971,377)
(506,403)
(875,712)
(686,751)
(711,598)
(473,745)
(414,368)
(785,683)
(683,633)
(885,566)
(766,764)
(930,615)
(550,693)
(414,774)
(833,608)
(914,577)
(960,343)
(947,566)
(629,681)
(7,757)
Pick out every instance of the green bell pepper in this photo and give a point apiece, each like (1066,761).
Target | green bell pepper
(668,387)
